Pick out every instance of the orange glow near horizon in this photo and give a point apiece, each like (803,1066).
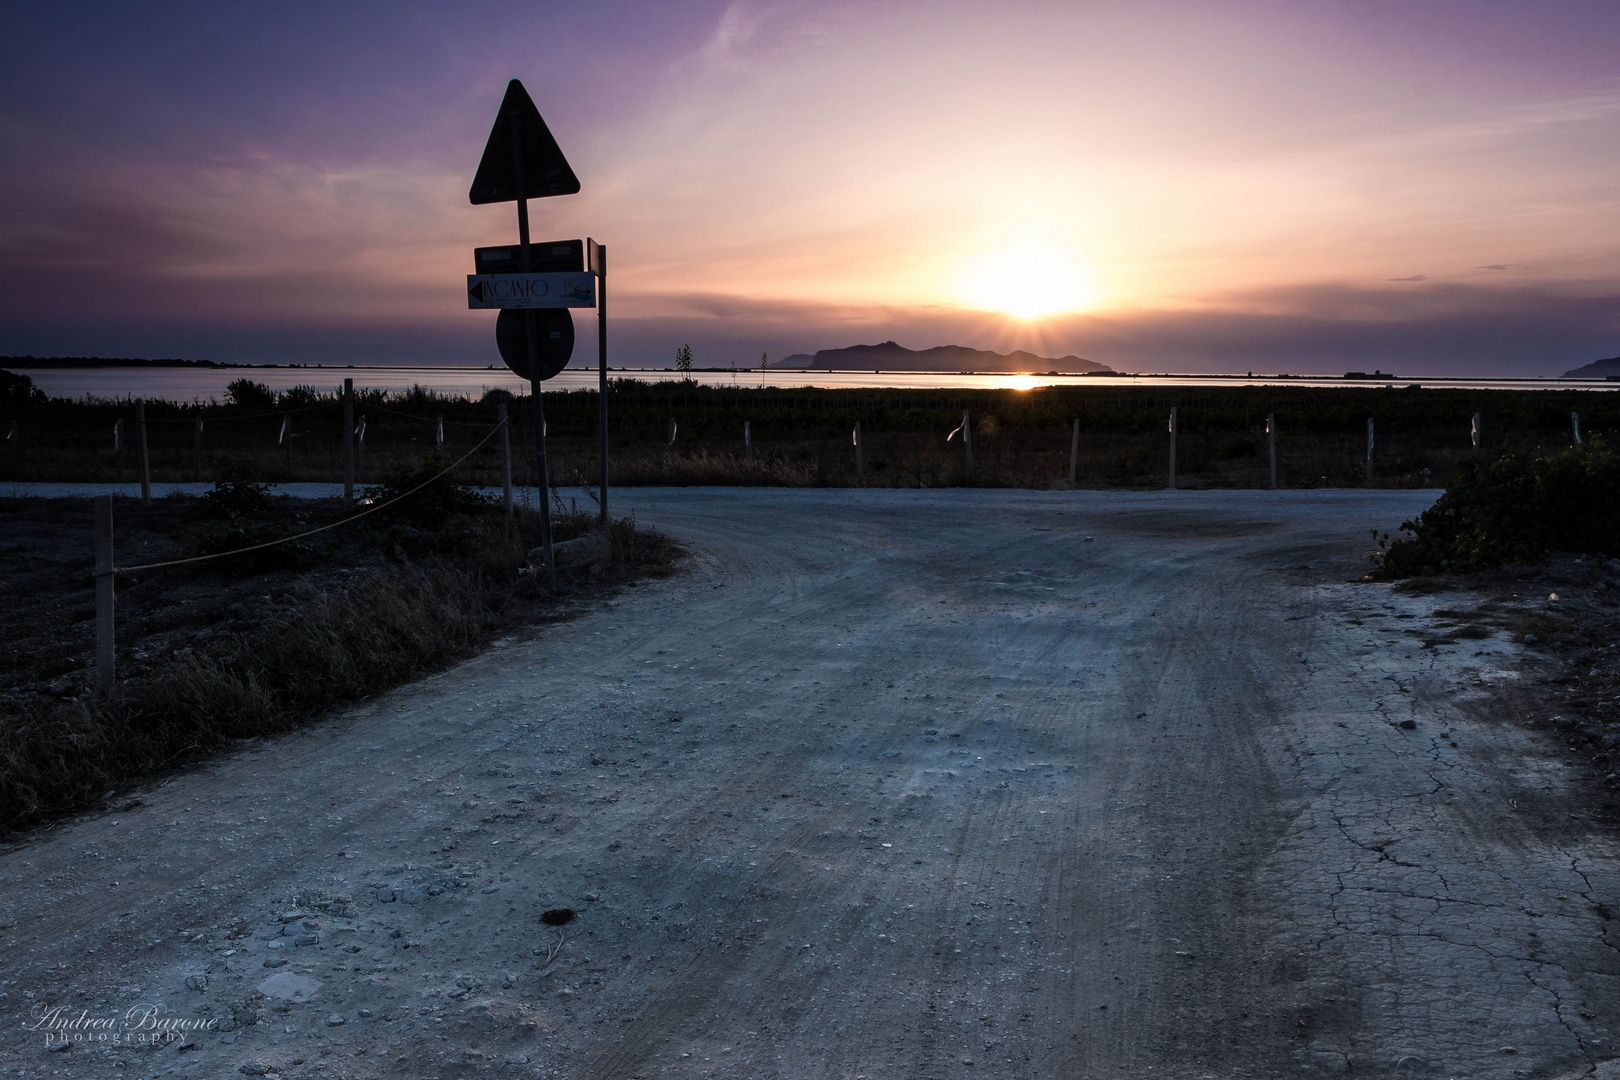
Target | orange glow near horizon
(1027,282)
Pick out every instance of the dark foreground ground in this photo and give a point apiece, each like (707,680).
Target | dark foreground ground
(926,784)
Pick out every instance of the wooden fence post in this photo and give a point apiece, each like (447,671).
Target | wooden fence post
(1074,450)
(506,459)
(146,466)
(104,593)
(860,472)
(1369,452)
(1271,441)
(967,444)
(1172,448)
(348,442)
(196,451)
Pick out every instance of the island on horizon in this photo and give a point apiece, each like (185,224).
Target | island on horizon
(890,356)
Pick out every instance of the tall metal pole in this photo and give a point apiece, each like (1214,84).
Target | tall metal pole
(348,441)
(531,335)
(601,366)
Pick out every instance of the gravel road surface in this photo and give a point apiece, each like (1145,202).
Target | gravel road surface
(887,784)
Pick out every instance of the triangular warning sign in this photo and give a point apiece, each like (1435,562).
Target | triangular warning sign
(545,170)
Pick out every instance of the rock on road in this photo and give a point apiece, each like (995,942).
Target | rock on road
(886,783)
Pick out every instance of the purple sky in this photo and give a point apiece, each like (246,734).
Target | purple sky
(1231,185)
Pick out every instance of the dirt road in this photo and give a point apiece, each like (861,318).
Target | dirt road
(889,784)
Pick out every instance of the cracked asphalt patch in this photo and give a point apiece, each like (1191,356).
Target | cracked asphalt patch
(888,783)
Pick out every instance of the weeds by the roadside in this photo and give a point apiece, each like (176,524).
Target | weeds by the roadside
(322,642)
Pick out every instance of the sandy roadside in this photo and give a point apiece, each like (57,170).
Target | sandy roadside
(888,784)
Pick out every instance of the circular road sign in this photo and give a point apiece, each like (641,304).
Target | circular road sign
(553,326)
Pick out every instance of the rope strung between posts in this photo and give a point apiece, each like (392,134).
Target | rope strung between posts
(249,416)
(312,532)
(425,419)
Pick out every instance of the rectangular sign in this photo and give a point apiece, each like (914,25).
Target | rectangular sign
(545,257)
(531,290)
(593,256)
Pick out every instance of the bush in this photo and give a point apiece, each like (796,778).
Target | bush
(1515,507)
(435,503)
(247,394)
(239,492)
(301,397)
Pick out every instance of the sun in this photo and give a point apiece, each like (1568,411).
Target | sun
(1027,283)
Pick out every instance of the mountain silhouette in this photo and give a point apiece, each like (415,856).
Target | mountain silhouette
(889,356)
(1597,369)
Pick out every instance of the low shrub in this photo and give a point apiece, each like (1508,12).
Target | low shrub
(1516,506)
(239,492)
(436,503)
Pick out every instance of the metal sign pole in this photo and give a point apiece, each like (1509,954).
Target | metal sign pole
(531,333)
(601,366)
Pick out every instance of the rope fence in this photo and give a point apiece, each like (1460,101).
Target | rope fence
(311,532)
(106,573)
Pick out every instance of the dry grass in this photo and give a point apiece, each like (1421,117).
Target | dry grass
(322,643)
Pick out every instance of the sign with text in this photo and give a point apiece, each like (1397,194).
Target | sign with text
(545,257)
(554,290)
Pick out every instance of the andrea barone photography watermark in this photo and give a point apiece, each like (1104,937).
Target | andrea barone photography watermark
(141,1024)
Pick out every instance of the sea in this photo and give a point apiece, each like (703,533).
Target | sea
(189,383)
